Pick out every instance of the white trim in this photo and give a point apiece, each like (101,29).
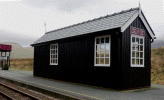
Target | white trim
(147,26)
(124,27)
(133,65)
(137,66)
(102,65)
(51,54)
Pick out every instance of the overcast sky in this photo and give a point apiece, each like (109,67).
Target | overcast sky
(23,21)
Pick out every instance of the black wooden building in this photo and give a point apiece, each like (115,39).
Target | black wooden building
(113,51)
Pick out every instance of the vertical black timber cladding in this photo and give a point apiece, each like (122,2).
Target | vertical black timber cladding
(76,61)
(135,76)
(41,60)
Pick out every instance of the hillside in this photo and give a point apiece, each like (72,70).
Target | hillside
(157,65)
(20,52)
(157,44)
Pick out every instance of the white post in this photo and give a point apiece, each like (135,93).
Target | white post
(45,26)
(139,9)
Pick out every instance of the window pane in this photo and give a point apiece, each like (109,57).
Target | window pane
(97,47)
(107,47)
(97,60)
(102,47)
(137,47)
(98,41)
(133,61)
(101,60)
(137,40)
(141,61)
(106,60)
(56,60)
(102,40)
(53,54)
(133,47)
(141,47)
(56,51)
(102,54)
(106,39)
(97,54)
(137,50)
(141,41)
(51,47)
(141,54)
(137,54)
(106,53)
(133,53)
(137,61)
(102,50)
(133,39)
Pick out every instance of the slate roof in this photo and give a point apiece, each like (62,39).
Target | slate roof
(112,21)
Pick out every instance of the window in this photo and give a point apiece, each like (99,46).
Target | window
(54,54)
(137,51)
(102,51)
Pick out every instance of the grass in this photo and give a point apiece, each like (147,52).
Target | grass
(22,64)
(157,66)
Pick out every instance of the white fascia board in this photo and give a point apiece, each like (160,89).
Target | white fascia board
(147,26)
(125,26)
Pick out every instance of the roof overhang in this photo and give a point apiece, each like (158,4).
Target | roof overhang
(4,47)
(142,17)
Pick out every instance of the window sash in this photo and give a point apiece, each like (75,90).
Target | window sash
(54,54)
(137,51)
(102,51)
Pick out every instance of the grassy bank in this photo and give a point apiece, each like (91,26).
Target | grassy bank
(157,66)
(22,64)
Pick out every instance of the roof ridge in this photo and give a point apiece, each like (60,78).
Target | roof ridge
(123,11)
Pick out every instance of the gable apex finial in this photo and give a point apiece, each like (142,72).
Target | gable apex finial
(139,8)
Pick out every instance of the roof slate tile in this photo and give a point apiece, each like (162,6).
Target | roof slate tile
(115,20)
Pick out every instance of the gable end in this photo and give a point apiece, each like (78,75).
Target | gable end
(143,19)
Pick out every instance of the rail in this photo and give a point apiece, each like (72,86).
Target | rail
(16,91)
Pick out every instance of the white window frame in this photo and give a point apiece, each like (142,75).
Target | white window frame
(139,65)
(51,58)
(102,65)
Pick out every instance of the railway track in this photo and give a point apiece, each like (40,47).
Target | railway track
(11,93)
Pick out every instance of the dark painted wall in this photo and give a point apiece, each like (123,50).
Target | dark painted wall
(135,76)
(76,61)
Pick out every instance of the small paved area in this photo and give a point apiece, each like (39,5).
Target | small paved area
(156,92)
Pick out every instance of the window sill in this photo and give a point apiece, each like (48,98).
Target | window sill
(102,65)
(137,66)
(53,64)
